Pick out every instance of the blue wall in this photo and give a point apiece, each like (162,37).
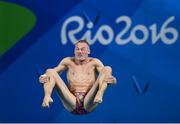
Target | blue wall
(145,60)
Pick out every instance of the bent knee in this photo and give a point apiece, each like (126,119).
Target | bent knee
(106,70)
(50,71)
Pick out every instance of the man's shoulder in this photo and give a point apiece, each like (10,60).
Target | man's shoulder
(96,60)
(67,59)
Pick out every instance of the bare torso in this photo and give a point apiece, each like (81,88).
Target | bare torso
(81,77)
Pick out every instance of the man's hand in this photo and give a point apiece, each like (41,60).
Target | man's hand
(44,78)
(110,79)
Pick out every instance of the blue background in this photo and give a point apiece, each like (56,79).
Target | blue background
(154,68)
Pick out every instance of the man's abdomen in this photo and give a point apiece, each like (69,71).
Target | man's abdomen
(76,87)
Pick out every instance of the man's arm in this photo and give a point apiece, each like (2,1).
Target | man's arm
(62,65)
(98,65)
(60,68)
(105,70)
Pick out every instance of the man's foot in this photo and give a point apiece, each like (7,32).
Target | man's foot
(98,98)
(46,101)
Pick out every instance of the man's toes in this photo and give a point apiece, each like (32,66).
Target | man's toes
(97,100)
(50,100)
(45,105)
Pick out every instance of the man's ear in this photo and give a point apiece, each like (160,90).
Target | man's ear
(89,51)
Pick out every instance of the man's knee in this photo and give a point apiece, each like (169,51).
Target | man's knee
(106,70)
(50,71)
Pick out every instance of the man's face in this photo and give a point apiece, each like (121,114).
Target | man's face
(81,51)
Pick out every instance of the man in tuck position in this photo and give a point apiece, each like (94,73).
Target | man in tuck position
(85,88)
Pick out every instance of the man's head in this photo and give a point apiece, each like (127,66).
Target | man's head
(81,50)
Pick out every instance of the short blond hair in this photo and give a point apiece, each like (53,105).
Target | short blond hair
(82,41)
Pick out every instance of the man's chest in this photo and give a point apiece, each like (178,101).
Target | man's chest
(82,69)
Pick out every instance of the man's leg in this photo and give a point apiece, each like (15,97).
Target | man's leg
(67,98)
(94,96)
